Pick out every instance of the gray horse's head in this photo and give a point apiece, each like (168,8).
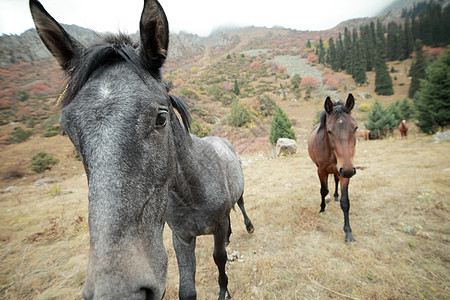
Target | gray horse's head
(118,114)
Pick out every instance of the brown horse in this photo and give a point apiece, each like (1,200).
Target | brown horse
(403,128)
(332,147)
(363,133)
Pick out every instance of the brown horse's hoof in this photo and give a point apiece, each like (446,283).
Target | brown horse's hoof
(250,228)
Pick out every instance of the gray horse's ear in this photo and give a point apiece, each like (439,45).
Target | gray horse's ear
(328,105)
(63,47)
(154,31)
(350,103)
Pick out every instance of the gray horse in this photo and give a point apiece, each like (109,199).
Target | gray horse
(142,165)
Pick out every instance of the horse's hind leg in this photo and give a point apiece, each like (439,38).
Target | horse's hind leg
(220,258)
(247,221)
(227,241)
(323,177)
(336,194)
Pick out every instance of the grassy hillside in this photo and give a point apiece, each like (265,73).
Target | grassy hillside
(399,215)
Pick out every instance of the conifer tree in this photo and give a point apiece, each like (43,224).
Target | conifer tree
(417,71)
(408,47)
(359,65)
(280,127)
(348,51)
(379,121)
(236,90)
(321,52)
(432,100)
(340,55)
(383,81)
(368,45)
(331,55)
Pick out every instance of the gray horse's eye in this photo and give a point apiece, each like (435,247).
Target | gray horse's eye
(161,120)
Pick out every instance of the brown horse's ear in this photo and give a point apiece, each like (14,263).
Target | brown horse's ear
(154,30)
(63,47)
(328,105)
(350,103)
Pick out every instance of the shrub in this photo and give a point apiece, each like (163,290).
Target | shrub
(295,80)
(267,105)
(239,115)
(331,84)
(309,81)
(198,130)
(188,93)
(280,127)
(312,59)
(364,107)
(31,123)
(41,162)
(21,135)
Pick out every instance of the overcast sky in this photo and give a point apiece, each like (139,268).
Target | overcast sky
(195,16)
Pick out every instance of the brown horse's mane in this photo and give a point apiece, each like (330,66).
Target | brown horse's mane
(338,109)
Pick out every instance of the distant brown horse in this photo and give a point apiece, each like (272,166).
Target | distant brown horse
(363,133)
(332,147)
(403,128)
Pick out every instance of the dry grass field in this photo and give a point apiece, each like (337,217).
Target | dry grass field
(399,215)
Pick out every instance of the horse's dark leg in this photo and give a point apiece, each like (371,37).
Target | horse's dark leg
(227,241)
(220,258)
(185,252)
(248,222)
(336,194)
(345,206)
(323,177)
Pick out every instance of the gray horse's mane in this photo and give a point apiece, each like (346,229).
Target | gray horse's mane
(115,49)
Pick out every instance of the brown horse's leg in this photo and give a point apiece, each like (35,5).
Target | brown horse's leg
(345,206)
(323,177)
(336,194)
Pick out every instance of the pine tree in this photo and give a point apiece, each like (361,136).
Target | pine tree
(408,47)
(280,127)
(393,42)
(417,71)
(321,52)
(359,66)
(379,121)
(432,100)
(369,46)
(236,90)
(348,51)
(331,55)
(308,44)
(383,81)
(340,54)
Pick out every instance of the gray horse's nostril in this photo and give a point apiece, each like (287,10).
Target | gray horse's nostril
(149,295)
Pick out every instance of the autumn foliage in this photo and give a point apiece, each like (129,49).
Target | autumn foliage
(312,59)
(309,81)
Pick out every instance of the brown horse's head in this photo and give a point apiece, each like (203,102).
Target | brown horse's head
(341,128)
